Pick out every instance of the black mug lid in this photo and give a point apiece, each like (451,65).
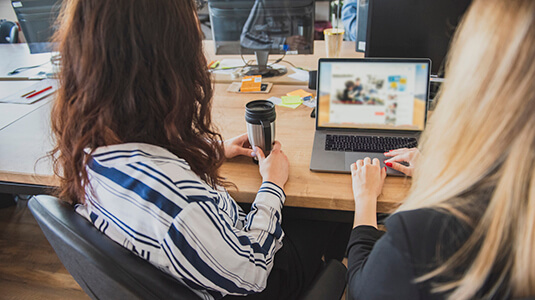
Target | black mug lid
(260,110)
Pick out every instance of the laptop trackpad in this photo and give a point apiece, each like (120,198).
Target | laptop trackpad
(352,157)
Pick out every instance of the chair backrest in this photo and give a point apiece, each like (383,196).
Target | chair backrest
(103,268)
(9,32)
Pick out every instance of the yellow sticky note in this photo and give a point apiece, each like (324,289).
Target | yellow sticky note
(291,100)
(295,105)
(300,92)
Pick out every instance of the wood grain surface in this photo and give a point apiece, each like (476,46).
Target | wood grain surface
(295,130)
(26,142)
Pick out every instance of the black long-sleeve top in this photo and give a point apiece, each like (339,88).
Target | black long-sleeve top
(385,265)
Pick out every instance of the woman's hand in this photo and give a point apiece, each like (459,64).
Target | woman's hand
(238,146)
(404,154)
(368,178)
(275,167)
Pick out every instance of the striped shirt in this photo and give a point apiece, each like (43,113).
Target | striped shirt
(150,201)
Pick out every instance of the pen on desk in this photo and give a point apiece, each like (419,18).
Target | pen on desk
(27,93)
(210,64)
(39,92)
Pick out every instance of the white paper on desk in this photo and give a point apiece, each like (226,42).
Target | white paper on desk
(275,100)
(231,63)
(299,75)
(11,112)
(228,66)
(38,86)
(277,66)
(225,71)
(40,72)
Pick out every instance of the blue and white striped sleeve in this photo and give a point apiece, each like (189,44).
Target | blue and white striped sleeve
(209,253)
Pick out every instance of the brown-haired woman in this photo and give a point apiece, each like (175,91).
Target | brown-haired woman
(467,228)
(138,155)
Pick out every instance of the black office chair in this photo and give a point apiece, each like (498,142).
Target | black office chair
(106,270)
(9,32)
(103,268)
(329,284)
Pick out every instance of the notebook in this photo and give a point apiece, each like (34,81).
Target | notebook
(366,107)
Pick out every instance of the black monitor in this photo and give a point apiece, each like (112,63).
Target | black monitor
(37,19)
(262,27)
(413,29)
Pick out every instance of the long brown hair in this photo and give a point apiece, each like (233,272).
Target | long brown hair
(478,154)
(132,71)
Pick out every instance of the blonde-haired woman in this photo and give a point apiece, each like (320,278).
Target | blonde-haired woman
(467,229)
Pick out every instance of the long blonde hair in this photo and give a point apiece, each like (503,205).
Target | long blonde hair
(478,153)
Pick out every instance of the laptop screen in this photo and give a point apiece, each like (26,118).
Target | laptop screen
(381,94)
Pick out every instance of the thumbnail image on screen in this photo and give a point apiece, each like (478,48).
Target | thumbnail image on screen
(373,95)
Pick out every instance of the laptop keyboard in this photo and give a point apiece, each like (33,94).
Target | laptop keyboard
(355,143)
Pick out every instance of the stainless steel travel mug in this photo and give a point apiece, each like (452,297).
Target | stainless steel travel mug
(260,117)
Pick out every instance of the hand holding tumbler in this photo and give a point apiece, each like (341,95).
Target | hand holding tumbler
(260,117)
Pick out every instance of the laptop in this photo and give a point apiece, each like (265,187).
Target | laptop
(366,107)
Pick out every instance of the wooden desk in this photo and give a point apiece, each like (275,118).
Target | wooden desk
(295,130)
(25,142)
(308,62)
(28,139)
(17,55)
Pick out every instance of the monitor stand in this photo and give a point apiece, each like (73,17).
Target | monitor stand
(262,68)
